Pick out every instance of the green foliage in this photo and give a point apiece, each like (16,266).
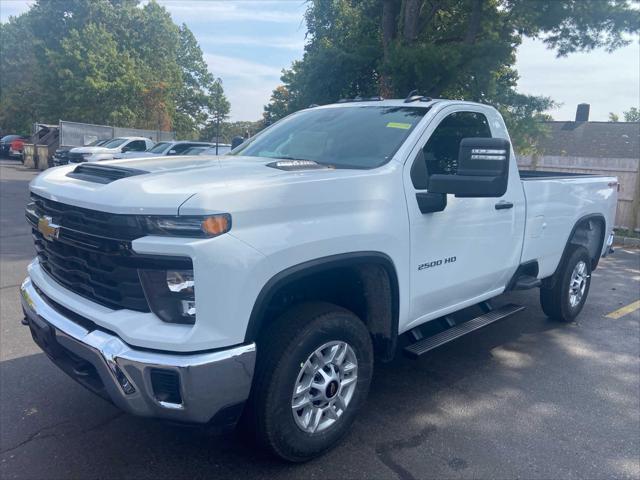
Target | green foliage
(91,66)
(201,93)
(218,112)
(461,49)
(228,130)
(632,115)
(280,105)
(104,61)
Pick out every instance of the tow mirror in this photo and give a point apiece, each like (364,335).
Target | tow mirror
(483,170)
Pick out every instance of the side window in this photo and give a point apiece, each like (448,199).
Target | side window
(137,146)
(440,153)
(183,147)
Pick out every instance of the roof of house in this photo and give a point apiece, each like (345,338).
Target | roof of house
(592,139)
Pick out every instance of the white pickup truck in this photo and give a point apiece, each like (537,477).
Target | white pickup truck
(260,286)
(109,150)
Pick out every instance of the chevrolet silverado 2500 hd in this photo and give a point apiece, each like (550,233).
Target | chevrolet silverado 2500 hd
(260,286)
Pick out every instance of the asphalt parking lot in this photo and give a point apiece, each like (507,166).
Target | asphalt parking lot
(523,398)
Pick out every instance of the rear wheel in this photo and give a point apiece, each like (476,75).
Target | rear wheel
(313,374)
(564,301)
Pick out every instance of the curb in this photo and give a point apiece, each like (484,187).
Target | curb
(626,241)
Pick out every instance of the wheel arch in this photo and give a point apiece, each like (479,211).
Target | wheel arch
(378,287)
(588,231)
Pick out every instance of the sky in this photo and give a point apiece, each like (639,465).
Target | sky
(248,43)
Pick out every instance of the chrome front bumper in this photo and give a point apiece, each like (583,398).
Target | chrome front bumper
(194,388)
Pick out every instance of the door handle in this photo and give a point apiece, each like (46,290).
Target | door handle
(502,205)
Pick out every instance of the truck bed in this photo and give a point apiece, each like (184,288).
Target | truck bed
(545,175)
(556,201)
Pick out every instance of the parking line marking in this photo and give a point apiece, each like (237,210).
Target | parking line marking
(621,312)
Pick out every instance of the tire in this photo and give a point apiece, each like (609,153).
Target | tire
(566,299)
(283,353)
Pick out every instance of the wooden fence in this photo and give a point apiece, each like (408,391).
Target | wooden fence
(626,169)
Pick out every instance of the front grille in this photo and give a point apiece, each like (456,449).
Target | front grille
(104,277)
(90,222)
(92,254)
(61,157)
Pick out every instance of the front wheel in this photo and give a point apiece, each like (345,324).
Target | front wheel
(564,301)
(313,374)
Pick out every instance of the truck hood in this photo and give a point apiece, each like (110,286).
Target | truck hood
(162,184)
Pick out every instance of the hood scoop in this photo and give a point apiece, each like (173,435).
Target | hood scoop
(90,172)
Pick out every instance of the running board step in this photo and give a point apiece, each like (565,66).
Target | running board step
(423,346)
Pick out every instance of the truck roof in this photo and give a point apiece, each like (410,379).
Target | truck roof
(423,102)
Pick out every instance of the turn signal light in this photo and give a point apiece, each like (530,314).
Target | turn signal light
(216,224)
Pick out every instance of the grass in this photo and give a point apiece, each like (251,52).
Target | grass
(624,232)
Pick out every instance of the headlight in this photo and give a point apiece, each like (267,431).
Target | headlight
(170,294)
(188,226)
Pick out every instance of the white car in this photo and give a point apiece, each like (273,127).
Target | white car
(264,283)
(110,149)
(169,148)
(221,149)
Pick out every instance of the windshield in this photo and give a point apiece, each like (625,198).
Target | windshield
(116,142)
(349,137)
(159,147)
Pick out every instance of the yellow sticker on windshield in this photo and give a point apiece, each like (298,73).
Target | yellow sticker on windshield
(403,126)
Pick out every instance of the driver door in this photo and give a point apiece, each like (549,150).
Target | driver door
(467,252)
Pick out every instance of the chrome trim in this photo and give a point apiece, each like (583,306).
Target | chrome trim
(209,381)
(608,247)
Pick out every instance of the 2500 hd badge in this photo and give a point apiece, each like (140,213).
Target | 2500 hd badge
(436,263)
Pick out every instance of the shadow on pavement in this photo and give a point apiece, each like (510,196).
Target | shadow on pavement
(525,397)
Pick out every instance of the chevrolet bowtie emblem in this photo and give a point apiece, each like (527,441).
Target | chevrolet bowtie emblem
(48,229)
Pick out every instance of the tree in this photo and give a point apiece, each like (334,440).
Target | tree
(103,61)
(89,65)
(217,112)
(279,105)
(228,130)
(199,91)
(18,71)
(442,48)
(632,115)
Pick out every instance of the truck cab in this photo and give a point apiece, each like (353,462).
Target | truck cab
(261,285)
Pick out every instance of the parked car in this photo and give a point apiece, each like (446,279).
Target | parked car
(5,143)
(61,155)
(195,151)
(16,147)
(266,284)
(166,148)
(109,149)
(223,149)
